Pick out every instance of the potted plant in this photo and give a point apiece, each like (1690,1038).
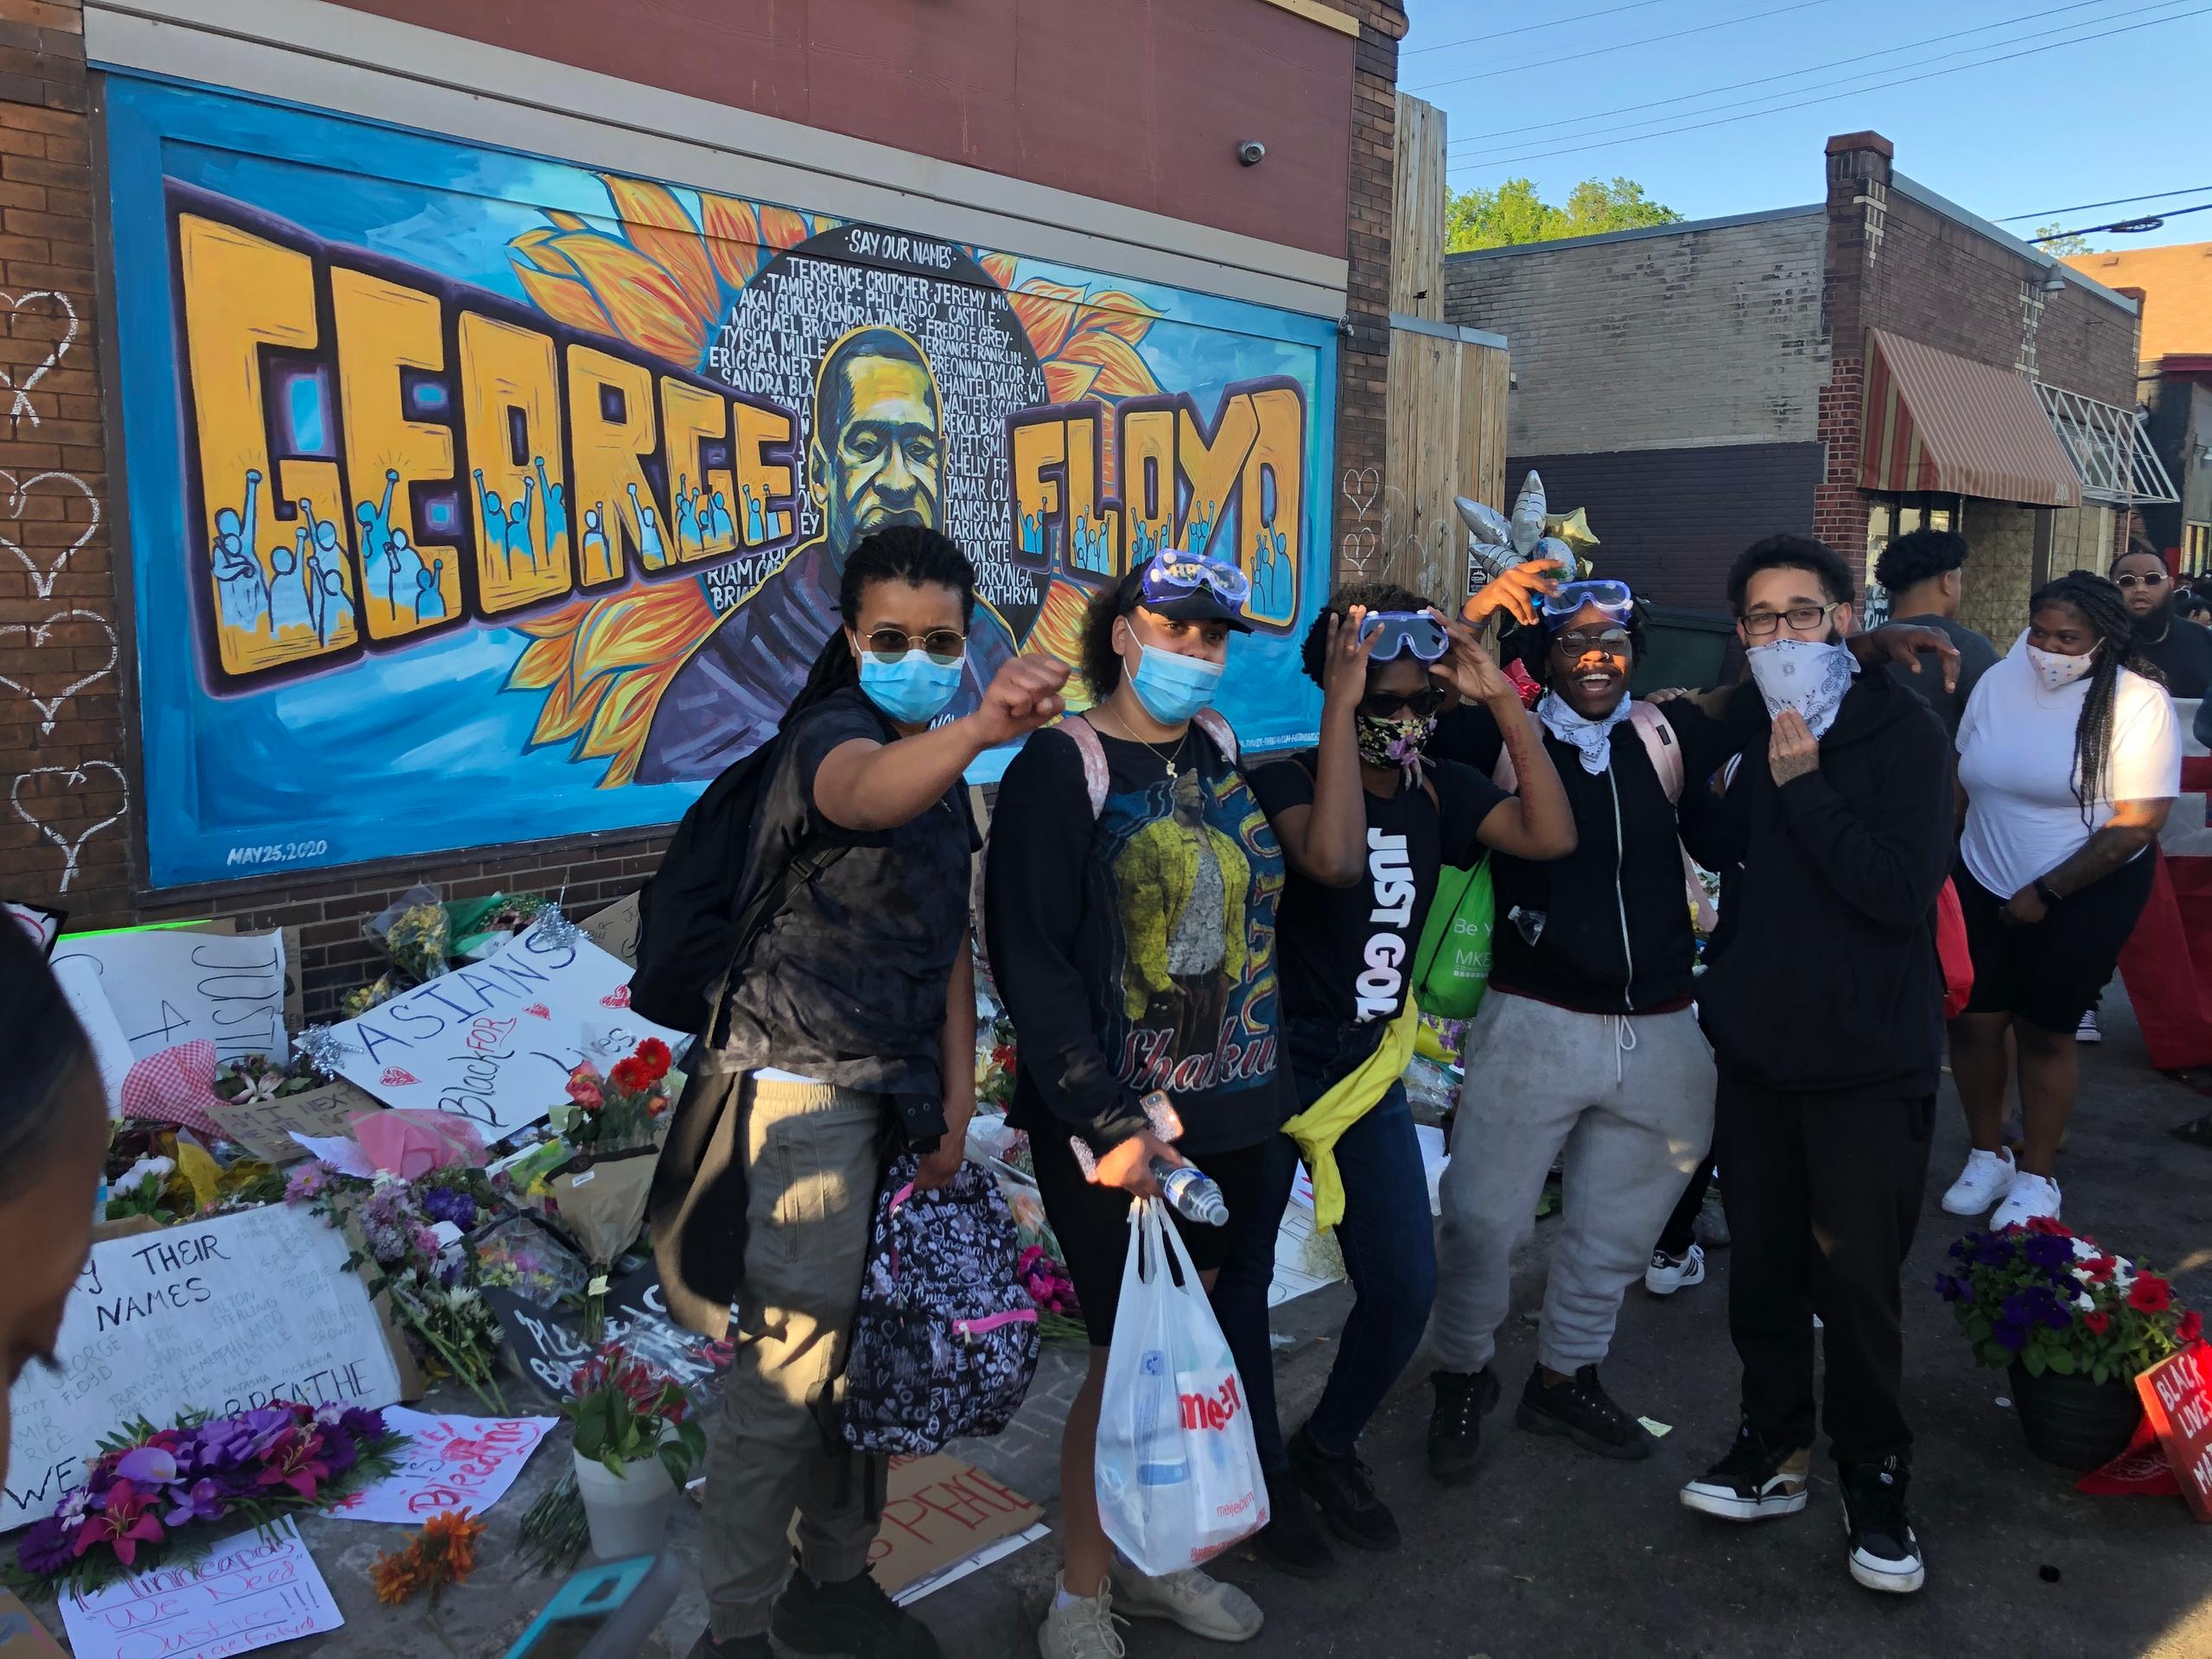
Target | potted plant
(634,1450)
(2073,1325)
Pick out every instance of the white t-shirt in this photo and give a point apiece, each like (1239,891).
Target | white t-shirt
(2016,759)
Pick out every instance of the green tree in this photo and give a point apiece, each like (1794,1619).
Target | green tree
(2061,243)
(1512,213)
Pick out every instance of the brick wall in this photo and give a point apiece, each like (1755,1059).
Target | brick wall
(1363,349)
(1655,339)
(1999,573)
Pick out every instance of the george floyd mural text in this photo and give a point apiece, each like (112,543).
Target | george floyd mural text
(476,496)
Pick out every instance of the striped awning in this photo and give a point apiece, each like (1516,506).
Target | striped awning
(1947,425)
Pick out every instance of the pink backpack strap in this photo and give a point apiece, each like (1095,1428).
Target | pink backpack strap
(1215,725)
(1662,743)
(1084,735)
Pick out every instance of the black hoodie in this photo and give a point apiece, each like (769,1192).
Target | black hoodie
(1824,978)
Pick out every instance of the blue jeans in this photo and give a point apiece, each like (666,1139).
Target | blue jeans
(1388,1239)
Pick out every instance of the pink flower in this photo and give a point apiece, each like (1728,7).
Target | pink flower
(583,1088)
(125,1521)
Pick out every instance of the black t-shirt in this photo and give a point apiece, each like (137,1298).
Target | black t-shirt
(2184,655)
(1976,658)
(1467,733)
(1348,953)
(847,983)
(1135,949)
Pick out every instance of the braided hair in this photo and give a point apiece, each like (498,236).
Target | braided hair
(2100,605)
(908,553)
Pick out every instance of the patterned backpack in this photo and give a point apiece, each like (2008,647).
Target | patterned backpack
(945,1341)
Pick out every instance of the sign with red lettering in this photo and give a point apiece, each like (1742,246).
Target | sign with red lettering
(447,1464)
(2178,1399)
(941,1518)
(251,1591)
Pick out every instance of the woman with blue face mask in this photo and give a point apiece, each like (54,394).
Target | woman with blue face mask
(1130,900)
(849,1024)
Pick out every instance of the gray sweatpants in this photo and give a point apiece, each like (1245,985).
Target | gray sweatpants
(1629,1099)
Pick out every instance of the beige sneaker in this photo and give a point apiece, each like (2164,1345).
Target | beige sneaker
(1083,1629)
(1203,1606)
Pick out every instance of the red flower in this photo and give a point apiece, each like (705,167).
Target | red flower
(2191,1326)
(294,1461)
(633,1076)
(657,1105)
(654,1053)
(124,1520)
(2098,1320)
(2100,1267)
(2151,1294)
(2050,1225)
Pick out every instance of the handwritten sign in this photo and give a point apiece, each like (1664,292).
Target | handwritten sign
(265,1128)
(940,1513)
(549,1345)
(220,1315)
(251,1591)
(494,1042)
(2177,1400)
(614,930)
(44,926)
(168,986)
(447,1464)
(22,1636)
(79,980)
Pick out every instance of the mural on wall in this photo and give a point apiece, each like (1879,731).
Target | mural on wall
(476,497)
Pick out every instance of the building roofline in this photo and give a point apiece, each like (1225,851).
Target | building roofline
(1680,228)
(1981,227)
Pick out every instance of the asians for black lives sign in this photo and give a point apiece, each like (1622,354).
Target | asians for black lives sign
(222,1315)
(494,1042)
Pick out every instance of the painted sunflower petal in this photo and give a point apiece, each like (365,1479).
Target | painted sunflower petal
(999,267)
(564,299)
(647,306)
(1121,372)
(1048,311)
(1119,312)
(732,237)
(781,228)
(1066,382)
(659,228)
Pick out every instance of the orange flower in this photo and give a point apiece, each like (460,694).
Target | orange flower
(443,1552)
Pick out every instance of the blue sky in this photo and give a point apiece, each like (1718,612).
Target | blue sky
(2086,120)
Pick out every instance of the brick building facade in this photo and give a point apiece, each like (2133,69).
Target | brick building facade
(1314,81)
(1697,385)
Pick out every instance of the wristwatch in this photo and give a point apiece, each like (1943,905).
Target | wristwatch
(2043,893)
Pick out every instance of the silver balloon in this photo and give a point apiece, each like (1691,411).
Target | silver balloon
(1528,509)
(1551,547)
(1486,522)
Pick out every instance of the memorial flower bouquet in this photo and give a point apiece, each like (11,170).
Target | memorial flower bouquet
(613,1119)
(257,1079)
(151,1488)
(620,1108)
(2048,1299)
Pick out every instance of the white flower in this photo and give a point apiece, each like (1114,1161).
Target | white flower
(2084,1251)
(2085,1301)
(157,1169)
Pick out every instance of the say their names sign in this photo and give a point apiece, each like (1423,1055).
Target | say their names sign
(2177,1400)
(494,1042)
(222,1315)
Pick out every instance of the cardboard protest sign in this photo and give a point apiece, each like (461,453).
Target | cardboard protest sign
(169,986)
(265,1128)
(252,1590)
(2177,1401)
(447,1464)
(548,1345)
(219,1315)
(79,979)
(22,1636)
(941,1519)
(614,930)
(494,1042)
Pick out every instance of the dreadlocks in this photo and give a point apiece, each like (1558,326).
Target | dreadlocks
(2100,606)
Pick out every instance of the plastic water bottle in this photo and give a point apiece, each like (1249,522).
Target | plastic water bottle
(1163,1455)
(1188,1189)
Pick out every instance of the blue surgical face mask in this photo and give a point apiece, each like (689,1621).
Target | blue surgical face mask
(1173,687)
(912,690)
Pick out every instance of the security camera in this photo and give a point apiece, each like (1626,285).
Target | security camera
(1251,152)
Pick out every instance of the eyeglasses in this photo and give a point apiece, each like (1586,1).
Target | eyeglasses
(943,645)
(2148,579)
(1759,623)
(1401,632)
(1613,597)
(1384,705)
(1613,642)
(1174,574)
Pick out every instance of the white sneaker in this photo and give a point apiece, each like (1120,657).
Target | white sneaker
(1203,1606)
(1985,1180)
(2030,1196)
(1669,1274)
(1083,1629)
(2087,1031)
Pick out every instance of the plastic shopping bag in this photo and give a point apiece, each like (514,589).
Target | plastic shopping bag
(1178,1476)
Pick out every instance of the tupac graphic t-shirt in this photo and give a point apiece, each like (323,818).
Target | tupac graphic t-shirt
(1136,950)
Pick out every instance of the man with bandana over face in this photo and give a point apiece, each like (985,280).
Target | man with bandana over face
(1589,1014)
(1347,939)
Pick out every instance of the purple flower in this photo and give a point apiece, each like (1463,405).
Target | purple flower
(1992,1250)
(445,1204)
(47,1548)
(1953,1290)
(206,1499)
(2049,1252)
(338,1451)
(2009,1335)
(360,1423)
(147,1466)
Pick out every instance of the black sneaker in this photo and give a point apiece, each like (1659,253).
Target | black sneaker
(1885,1554)
(1754,1482)
(1292,1541)
(736,1647)
(1582,1409)
(853,1617)
(1342,1489)
(1455,1428)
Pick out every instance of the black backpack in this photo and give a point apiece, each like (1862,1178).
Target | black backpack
(690,933)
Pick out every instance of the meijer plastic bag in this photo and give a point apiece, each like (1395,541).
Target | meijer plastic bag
(1178,1476)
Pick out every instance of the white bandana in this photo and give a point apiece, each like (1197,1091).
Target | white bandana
(1809,676)
(1594,738)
